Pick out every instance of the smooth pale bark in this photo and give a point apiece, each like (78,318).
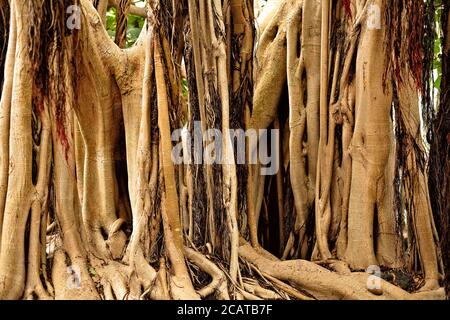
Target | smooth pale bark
(18,196)
(369,148)
(118,239)
(423,218)
(311,56)
(5,113)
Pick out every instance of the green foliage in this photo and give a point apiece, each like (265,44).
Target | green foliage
(111,22)
(184,86)
(135,25)
(437,62)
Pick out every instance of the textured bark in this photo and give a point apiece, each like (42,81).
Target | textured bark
(439,170)
(90,194)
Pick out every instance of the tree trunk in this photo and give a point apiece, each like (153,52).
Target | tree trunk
(94,203)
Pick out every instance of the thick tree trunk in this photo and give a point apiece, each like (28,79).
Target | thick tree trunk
(91,195)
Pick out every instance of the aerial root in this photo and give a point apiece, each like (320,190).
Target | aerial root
(72,281)
(35,290)
(117,278)
(289,290)
(325,284)
(259,291)
(218,285)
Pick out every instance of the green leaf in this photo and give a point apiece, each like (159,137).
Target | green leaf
(184,86)
(437,83)
(112,34)
(111,19)
(132,35)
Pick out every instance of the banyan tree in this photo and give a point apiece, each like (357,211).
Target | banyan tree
(93,205)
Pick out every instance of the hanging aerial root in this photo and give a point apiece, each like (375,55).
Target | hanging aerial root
(38,210)
(122,22)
